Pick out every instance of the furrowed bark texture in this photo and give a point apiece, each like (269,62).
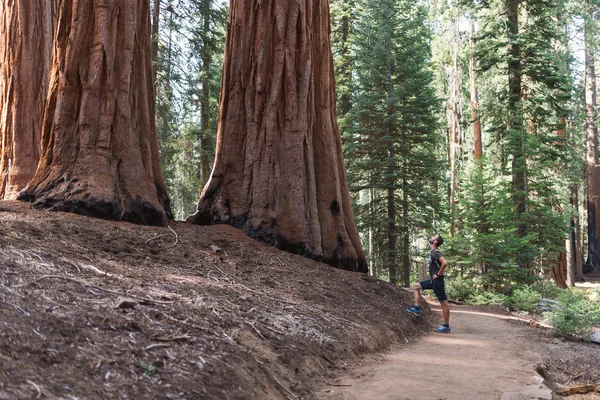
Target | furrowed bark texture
(25,49)
(279,173)
(99,144)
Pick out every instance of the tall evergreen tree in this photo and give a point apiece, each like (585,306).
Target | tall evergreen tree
(523,112)
(392,142)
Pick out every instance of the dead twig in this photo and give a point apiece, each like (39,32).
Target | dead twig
(286,389)
(176,238)
(256,330)
(103,289)
(157,345)
(173,338)
(16,307)
(36,387)
(155,237)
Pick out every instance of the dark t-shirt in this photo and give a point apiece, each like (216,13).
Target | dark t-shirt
(434,262)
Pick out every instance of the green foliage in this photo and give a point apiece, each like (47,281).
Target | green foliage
(460,289)
(147,369)
(486,298)
(485,246)
(524,299)
(546,289)
(391,145)
(189,63)
(578,313)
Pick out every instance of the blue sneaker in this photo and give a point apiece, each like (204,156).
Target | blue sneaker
(443,329)
(414,310)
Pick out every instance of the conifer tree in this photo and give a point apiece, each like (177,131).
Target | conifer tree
(392,142)
(523,113)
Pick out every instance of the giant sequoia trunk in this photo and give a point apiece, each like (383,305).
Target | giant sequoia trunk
(279,173)
(25,49)
(99,146)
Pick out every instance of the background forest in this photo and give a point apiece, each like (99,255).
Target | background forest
(474,119)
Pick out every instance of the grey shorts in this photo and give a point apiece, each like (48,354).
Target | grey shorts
(438,287)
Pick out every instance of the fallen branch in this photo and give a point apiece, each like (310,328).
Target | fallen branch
(578,389)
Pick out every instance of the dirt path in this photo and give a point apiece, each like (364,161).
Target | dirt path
(485,357)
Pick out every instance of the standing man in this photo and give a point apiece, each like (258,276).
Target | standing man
(437,266)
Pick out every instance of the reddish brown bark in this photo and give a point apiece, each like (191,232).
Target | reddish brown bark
(454,131)
(25,49)
(475,121)
(99,144)
(558,271)
(279,172)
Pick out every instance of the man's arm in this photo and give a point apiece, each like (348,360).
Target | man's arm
(443,266)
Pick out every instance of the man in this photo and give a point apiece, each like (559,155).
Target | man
(437,266)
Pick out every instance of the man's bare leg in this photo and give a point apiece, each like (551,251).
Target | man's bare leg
(445,311)
(417,293)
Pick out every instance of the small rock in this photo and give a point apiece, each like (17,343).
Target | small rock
(125,302)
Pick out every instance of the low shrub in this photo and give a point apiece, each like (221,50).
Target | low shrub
(460,289)
(524,299)
(547,289)
(578,313)
(488,298)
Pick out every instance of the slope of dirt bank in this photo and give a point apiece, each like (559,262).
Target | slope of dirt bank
(92,309)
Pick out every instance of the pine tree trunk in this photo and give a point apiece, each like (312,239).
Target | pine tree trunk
(570,259)
(405,234)
(576,223)
(454,139)
(475,121)
(99,146)
(279,173)
(515,123)
(26,28)
(593,178)
(391,176)
(391,233)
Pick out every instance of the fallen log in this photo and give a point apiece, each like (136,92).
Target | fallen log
(581,389)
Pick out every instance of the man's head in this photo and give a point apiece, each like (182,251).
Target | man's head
(436,241)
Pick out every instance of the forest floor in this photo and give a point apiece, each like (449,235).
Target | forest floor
(93,309)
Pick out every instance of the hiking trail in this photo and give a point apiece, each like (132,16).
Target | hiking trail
(484,357)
